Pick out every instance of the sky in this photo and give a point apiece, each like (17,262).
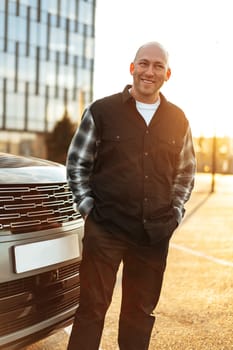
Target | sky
(198,37)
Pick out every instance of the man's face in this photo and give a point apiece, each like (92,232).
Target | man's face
(149,70)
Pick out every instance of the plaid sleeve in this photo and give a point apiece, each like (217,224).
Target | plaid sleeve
(80,161)
(184,180)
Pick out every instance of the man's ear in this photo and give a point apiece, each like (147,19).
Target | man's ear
(131,69)
(168,74)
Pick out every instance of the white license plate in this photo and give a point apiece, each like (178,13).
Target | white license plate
(41,254)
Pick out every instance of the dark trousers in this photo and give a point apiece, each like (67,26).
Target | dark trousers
(143,269)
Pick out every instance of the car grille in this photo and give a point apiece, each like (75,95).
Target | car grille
(28,301)
(28,208)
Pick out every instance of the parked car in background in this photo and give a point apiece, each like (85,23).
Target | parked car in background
(40,250)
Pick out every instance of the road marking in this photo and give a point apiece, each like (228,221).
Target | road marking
(202,255)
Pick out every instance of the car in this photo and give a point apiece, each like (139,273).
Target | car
(40,250)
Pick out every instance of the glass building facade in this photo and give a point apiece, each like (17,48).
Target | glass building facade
(46,67)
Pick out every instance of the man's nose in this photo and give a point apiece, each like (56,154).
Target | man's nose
(150,70)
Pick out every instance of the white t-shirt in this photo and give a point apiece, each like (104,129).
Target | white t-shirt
(147,110)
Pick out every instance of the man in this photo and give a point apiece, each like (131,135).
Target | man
(131,168)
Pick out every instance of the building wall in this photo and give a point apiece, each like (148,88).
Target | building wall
(46,64)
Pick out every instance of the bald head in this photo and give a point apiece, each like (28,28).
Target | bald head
(152,45)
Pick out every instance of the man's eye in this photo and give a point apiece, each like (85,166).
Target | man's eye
(159,66)
(143,64)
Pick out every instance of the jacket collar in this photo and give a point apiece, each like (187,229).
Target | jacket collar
(126,96)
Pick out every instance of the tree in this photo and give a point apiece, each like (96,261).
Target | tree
(59,139)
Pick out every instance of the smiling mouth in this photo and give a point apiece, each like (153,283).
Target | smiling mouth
(147,81)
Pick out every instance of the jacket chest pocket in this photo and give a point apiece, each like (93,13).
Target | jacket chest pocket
(168,145)
(166,152)
(118,140)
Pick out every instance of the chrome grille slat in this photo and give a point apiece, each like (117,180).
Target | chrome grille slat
(19,206)
(51,188)
(40,213)
(35,197)
(54,203)
(6,198)
(9,216)
(64,210)
(58,195)
(16,189)
(36,207)
(25,224)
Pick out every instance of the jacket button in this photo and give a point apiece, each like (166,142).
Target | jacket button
(146,153)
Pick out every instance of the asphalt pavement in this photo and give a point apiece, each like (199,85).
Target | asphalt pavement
(199,315)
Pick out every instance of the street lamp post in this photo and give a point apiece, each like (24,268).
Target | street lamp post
(214,146)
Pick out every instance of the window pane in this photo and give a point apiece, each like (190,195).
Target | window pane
(2,6)
(64,8)
(85,12)
(89,52)
(8,64)
(55,112)
(66,78)
(51,5)
(76,44)
(2,64)
(49,68)
(23,11)
(21,34)
(42,35)
(33,14)
(12,25)
(34,33)
(71,9)
(27,69)
(57,39)
(32,3)
(15,111)
(36,113)
(11,7)
(2,22)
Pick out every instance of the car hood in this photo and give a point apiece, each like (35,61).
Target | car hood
(20,170)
